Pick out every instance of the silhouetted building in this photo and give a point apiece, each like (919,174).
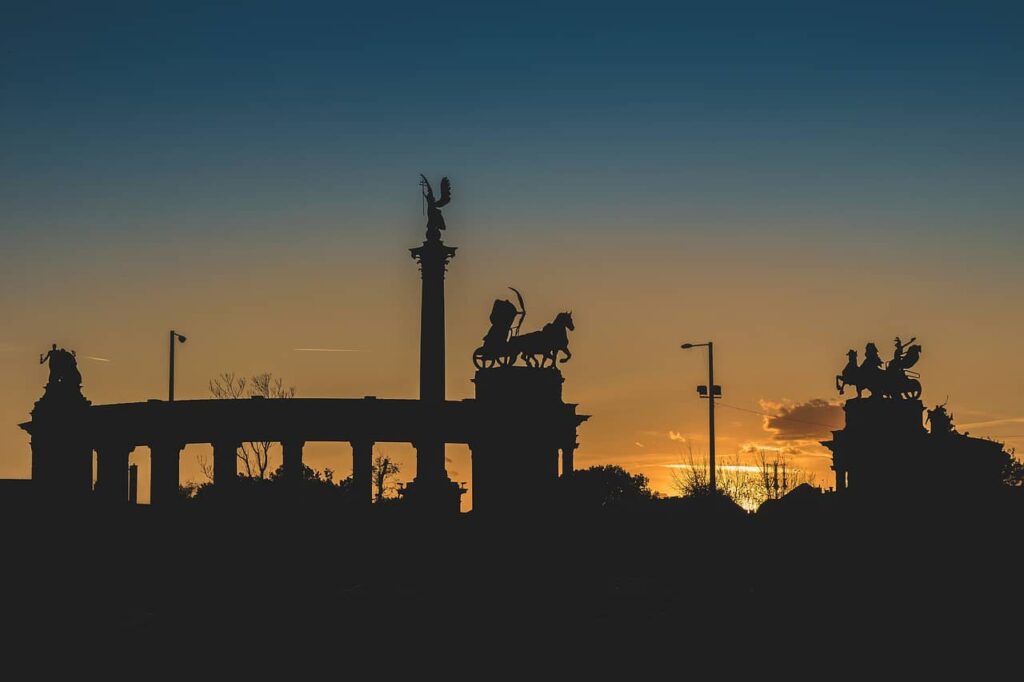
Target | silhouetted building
(516,427)
(885,450)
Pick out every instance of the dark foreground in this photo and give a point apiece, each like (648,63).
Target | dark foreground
(665,586)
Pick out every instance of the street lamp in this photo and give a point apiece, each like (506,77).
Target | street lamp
(709,393)
(175,336)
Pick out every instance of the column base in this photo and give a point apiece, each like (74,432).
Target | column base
(438,496)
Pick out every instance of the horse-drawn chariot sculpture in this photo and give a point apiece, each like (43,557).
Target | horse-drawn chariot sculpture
(504,345)
(891,379)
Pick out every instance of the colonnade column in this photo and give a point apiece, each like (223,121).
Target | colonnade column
(112,472)
(568,456)
(362,470)
(291,455)
(163,472)
(225,464)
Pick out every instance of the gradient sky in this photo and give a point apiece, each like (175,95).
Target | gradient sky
(788,179)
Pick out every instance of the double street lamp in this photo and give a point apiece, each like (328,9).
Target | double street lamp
(710,393)
(175,336)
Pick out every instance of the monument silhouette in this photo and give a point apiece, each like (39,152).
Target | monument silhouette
(884,451)
(516,426)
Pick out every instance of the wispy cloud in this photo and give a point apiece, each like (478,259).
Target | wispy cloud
(723,467)
(93,357)
(327,350)
(992,422)
(676,436)
(638,444)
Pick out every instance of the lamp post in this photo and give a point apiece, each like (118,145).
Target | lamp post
(709,392)
(175,336)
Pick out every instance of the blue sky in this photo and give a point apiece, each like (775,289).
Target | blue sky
(736,110)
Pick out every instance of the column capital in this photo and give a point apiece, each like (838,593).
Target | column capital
(433,257)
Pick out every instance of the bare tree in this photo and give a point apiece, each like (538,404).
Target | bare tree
(384,472)
(253,456)
(769,478)
(776,476)
(733,480)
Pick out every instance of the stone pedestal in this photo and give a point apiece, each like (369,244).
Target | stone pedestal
(441,496)
(883,447)
(522,424)
(61,445)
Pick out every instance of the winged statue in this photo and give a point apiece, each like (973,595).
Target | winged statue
(435,221)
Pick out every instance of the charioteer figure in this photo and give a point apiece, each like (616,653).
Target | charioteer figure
(504,345)
(884,380)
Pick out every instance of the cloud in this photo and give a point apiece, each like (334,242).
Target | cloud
(638,444)
(993,422)
(676,436)
(812,420)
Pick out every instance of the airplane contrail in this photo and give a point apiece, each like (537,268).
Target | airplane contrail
(328,350)
(90,357)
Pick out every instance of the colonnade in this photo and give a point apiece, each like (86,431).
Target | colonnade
(165,463)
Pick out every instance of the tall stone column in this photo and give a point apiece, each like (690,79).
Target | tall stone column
(112,472)
(433,258)
(362,470)
(432,489)
(163,473)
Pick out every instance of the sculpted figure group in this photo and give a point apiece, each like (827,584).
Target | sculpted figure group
(64,372)
(883,379)
(504,345)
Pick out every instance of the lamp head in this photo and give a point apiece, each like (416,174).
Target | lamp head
(686,345)
(182,338)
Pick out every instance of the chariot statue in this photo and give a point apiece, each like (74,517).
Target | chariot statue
(891,379)
(504,345)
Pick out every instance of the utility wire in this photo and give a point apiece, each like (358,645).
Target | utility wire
(774,416)
(804,421)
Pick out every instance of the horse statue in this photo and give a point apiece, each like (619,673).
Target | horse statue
(541,348)
(850,375)
(884,380)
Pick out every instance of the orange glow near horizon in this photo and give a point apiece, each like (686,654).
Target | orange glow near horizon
(781,323)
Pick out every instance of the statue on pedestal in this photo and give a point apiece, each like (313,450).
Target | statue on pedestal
(504,345)
(884,380)
(435,221)
(64,374)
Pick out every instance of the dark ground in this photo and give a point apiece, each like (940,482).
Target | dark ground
(672,586)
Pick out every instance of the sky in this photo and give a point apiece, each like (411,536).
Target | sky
(789,180)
